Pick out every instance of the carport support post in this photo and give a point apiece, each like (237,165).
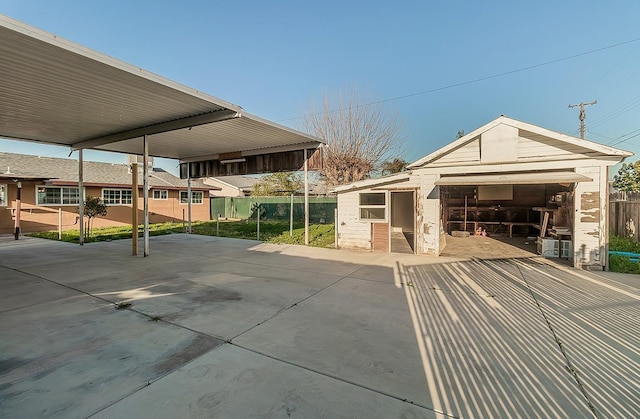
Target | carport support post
(18,209)
(134,208)
(189,196)
(291,217)
(80,198)
(145,191)
(306,198)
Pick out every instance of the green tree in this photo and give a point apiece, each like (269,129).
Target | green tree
(278,184)
(393,166)
(93,207)
(628,177)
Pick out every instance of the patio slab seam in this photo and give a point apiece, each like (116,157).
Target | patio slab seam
(344,380)
(284,310)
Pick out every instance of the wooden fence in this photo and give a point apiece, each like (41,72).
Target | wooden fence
(624,196)
(624,219)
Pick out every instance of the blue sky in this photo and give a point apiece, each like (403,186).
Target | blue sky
(274,58)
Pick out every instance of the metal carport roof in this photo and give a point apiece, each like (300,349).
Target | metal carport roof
(57,92)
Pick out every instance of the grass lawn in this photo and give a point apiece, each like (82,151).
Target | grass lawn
(623,264)
(320,235)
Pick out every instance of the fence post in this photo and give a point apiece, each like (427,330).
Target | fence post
(59,223)
(258,211)
(217,223)
(291,218)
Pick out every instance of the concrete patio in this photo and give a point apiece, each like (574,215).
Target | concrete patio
(233,328)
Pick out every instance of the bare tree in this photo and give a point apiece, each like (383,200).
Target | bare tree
(359,133)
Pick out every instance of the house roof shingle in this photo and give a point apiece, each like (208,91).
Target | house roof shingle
(65,171)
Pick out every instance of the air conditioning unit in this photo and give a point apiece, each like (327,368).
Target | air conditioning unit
(566,249)
(134,158)
(549,248)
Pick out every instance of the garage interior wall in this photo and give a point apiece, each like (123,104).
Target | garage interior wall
(521,215)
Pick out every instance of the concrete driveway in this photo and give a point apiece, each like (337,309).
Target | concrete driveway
(231,328)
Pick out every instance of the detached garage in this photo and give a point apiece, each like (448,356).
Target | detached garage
(506,178)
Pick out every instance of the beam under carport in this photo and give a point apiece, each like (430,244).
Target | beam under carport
(167,126)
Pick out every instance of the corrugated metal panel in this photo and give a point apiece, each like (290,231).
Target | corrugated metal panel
(528,178)
(55,91)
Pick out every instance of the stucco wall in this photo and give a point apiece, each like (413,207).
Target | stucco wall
(45,217)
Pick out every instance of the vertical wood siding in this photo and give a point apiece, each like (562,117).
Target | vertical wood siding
(380,237)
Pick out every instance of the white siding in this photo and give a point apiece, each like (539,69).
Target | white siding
(468,153)
(499,144)
(429,228)
(536,146)
(590,218)
(352,233)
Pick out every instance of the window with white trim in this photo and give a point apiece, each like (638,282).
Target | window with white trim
(3,195)
(160,194)
(196,197)
(57,195)
(373,206)
(116,196)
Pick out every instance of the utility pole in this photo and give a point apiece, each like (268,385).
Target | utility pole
(582,114)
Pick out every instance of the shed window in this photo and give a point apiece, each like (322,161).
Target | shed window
(373,206)
(3,195)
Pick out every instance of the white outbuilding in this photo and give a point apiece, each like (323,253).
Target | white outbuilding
(505,178)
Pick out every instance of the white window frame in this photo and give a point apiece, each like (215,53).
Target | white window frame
(161,193)
(193,198)
(61,202)
(118,200)
(4,194)
(370,206)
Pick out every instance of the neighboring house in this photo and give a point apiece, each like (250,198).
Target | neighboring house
(239,186)
(49,184)
(507,177)
(231,186)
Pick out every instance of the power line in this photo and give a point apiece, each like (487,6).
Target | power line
(464,83)
(620,139)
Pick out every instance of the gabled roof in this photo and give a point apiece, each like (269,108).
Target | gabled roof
(65,171)
(239,182)
(379,181)
(585,144)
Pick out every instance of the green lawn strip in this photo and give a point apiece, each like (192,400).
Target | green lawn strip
(623,264)
(270,231)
